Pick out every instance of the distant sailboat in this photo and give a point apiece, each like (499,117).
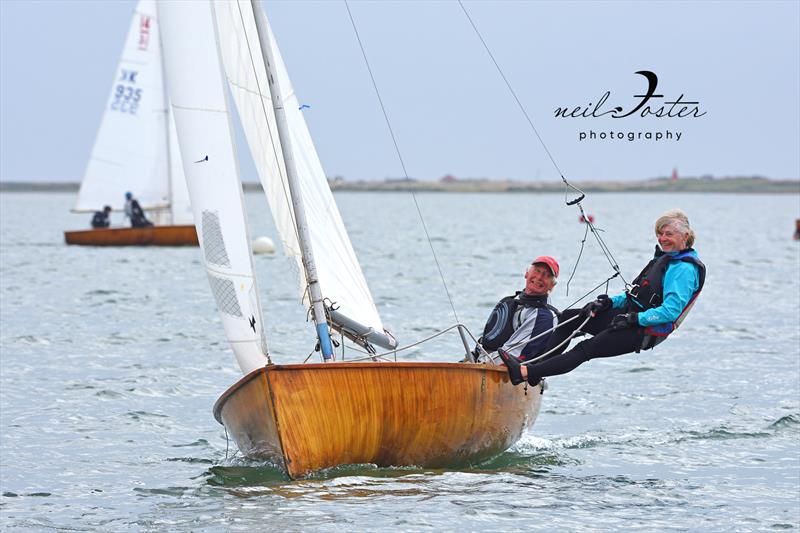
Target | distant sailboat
(306,417)
(136,149)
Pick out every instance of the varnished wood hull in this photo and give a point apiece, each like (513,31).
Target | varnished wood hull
(150,236)
(310,417)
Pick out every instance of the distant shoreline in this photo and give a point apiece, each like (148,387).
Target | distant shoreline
(656,185)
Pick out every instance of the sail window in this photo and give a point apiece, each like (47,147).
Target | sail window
(213,245)
(225,294)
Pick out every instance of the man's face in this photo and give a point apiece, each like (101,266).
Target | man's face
(539,280)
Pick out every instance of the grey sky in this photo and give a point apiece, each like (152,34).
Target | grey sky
(450,110)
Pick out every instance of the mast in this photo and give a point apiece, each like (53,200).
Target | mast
(167,114)
(303,237)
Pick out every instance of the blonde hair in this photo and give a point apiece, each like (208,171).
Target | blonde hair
(681,222)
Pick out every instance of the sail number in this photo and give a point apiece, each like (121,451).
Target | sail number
(126,95)
(126,99)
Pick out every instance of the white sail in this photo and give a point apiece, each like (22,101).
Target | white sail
(132,150)
(180,205)
(340,276)
(197,93)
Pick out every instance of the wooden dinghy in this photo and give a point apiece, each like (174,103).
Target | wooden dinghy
(136,150)
(306,417)
(150,236)
(314,416)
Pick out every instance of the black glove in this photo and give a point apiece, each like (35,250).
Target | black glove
(624,321)
(602,303)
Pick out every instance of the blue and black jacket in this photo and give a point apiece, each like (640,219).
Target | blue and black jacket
(664,292)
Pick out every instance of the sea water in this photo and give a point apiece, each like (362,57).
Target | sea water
(112,358)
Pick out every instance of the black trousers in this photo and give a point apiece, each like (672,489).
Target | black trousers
(606,342)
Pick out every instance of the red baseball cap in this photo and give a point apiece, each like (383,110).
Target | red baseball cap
(551,263)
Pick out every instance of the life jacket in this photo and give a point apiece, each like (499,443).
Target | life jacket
(138,219)
(100,220)
(500,326)
(647,292)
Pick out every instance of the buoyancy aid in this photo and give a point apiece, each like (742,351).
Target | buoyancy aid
(500,326)
(100,220)
(647,292)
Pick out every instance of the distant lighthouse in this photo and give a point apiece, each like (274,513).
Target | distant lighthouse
(674,174)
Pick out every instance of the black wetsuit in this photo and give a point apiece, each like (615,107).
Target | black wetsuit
(606,342)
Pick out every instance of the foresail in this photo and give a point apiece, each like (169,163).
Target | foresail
(130,151)
(180,205)
(340,276)
(199,104)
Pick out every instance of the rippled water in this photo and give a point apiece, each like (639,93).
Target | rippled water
(112,360)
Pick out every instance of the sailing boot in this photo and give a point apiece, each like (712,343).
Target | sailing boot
(511,362)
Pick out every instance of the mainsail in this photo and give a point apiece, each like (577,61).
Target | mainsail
(134,150)
(339,273)
(200,107)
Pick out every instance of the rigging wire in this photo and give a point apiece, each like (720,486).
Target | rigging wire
(400,157)
(581,195)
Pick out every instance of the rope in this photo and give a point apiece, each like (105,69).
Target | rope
(606,281)
(551,330)
(402,348)
(567,184)
(565,341)
(400,158)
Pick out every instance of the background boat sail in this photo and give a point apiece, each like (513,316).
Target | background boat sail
(136,149)
(306,417)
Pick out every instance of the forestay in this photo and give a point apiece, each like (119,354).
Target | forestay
(132,150)
(340,276)
(199,104)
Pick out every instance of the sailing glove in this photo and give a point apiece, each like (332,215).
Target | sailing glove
(602,303)
(627,320)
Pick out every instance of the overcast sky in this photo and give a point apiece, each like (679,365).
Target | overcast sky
(449,107)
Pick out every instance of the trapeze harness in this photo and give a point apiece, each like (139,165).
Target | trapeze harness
(647,292)
(500,325)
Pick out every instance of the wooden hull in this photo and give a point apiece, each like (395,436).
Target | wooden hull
(150,236)
(309,417)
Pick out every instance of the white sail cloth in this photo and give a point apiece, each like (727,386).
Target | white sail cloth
(133,150)
(197,92)
(340,276)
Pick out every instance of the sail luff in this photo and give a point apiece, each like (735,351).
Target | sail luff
(168,144)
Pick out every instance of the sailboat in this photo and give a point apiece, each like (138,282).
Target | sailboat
(136,149)
(308,417)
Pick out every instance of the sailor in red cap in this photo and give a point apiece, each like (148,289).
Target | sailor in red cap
(520,326)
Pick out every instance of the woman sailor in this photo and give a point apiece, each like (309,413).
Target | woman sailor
(639,319)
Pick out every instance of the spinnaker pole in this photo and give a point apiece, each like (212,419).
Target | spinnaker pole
(303,237)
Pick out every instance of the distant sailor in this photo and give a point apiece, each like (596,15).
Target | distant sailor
(100,218)
(655,304)
(520,326)
(135,213)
